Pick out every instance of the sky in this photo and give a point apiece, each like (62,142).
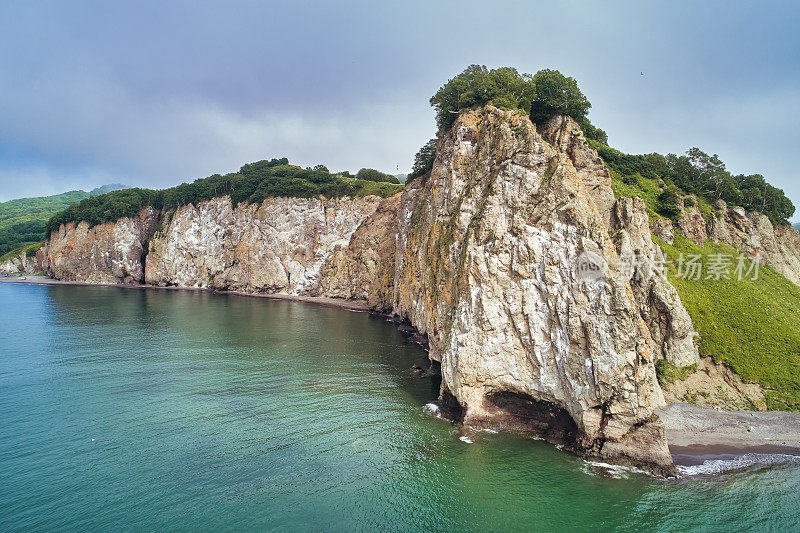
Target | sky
(158,93)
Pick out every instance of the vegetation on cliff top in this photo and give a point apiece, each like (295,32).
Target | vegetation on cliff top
(252,184)
(23,221)
(751,325)
(28,249)
(549,92)
(695,173)
(542,95)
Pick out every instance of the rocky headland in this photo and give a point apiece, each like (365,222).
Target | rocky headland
(480,255)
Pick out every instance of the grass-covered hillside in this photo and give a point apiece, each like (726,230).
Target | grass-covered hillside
(252,184)
(751,325)
(23,221)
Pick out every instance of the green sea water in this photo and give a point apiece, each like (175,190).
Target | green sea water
(145,410)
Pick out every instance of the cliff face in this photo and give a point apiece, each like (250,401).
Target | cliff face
(22,263)
(280,245)
(483,256)
(486,267)
(752,233)
(106,253)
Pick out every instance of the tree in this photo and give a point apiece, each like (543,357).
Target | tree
(423,161)
(669,201)
(557,94)
(370,174)
(502,87)
(543,95)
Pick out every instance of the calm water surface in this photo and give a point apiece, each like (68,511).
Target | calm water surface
(153,410)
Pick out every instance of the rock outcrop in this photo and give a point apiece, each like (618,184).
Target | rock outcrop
(484,256)
(106,253)
(23,263)
(752,233)
(487,269)
(280,245)
(715,385)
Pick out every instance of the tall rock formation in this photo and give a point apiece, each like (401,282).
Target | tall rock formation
(487,256)
(112,252)
(487,268)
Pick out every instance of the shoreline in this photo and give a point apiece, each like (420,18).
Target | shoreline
(352,305)
(694,434)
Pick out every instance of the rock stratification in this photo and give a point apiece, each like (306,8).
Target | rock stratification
(484,255)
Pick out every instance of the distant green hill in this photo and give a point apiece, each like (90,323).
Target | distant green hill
(23,221)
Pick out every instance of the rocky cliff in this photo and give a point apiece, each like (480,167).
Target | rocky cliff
(751,233)
(278,246)
(106,253)
(535,287)
(22,263)
(487,259)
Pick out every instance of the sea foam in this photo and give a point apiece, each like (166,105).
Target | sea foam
(750,461)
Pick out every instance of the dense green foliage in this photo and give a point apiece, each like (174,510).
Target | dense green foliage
(23,221)
(542,95)
(370,174)
(252,184)
(700,174)
(753,326)
(556,94)
(423,160)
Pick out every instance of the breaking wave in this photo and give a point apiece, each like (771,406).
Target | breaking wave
(750,461)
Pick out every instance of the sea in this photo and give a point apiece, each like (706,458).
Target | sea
(157,410)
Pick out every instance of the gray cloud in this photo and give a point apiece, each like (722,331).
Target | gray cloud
(155,94)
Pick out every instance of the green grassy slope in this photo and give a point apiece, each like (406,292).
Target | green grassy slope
(23,221)
(753,326)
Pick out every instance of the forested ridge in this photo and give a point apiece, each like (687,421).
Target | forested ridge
(251,184)
(23,221)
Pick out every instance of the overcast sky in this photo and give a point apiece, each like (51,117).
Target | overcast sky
(157,93)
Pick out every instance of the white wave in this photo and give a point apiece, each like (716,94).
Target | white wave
(433,409)
(464,438)
(742,462)
(614,471)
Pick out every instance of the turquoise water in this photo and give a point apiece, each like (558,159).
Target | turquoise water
(165,410)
